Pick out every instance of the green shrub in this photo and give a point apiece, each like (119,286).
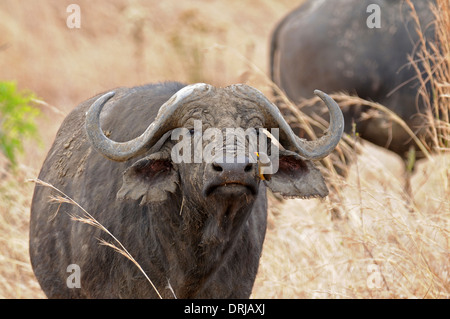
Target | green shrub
(17,119)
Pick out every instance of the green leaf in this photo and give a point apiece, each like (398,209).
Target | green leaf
(17,119)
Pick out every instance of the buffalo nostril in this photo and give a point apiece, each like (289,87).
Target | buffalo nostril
(217,167)
(232,165)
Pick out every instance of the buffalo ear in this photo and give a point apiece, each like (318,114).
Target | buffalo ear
(151,178)
(297,178)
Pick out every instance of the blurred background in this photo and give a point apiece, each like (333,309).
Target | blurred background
(128,43)
(387,245)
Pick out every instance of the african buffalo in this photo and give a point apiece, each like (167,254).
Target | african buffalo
(196,228)
(339,46)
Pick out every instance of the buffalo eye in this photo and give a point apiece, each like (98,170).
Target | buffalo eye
(191,131)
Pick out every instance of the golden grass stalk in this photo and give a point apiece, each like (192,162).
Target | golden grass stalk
(50,107)
(88,219)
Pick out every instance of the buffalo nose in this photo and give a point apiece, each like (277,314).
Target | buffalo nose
(233,165)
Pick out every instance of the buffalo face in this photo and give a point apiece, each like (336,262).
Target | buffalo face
(202,145)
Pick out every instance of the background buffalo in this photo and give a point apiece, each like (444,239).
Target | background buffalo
(364,48)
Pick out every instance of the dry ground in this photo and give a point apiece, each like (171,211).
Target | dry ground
(386,244)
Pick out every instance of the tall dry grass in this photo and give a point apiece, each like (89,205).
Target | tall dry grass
(434,59)
(16,277)
(389,244)
(382,247)
(386,245)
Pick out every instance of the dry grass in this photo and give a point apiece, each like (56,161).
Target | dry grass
(387,245)
(383,247)
(434,59)
(16,277)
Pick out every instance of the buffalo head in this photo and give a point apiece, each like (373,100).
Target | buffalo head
(226,174)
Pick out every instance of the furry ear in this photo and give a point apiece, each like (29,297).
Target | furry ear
(151,178)
(296,177)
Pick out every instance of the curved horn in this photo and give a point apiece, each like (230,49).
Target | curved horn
(164,121)
(312,150)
